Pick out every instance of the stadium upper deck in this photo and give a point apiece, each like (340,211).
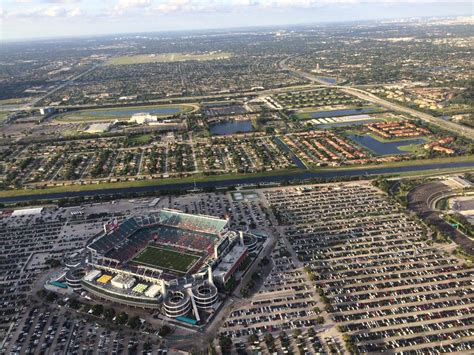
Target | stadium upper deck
(115,238)
(199,223)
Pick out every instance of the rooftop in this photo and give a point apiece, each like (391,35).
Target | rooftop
(229,260)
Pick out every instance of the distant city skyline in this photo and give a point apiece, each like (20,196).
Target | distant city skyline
(30,19)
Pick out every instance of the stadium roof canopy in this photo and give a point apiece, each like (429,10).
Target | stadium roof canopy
(207,224)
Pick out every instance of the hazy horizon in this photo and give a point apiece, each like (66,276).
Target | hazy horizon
(45,19)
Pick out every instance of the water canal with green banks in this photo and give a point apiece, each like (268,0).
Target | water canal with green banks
(405,168)
(123,113)
(167,58)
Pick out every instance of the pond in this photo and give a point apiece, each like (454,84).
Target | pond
(343,112)
(384,148)
(231,127)
(131,111)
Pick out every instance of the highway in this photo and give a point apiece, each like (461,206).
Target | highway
(68,81)
(364,95)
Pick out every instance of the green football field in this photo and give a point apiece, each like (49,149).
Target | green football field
(165,259)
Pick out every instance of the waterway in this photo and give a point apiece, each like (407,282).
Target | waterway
(298,176)
(297,161)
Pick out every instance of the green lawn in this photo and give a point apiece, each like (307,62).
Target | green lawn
(3,115)
(141,139)
(415,149)
(166,57)
(306,113)
(15,101)
(162,258)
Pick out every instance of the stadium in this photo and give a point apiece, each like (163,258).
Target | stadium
(166,260)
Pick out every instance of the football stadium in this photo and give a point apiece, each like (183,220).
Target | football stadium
(170,260)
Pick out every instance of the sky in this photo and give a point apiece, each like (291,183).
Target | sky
(25,19)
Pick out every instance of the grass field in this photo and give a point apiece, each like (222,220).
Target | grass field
(307,112)
(3,115)
(15,101)
(166,58)
(165,259)
(141,139)
(122,113)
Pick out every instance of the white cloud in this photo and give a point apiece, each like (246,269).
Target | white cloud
(124,5)
(187,6)
(120,8)
(54,11)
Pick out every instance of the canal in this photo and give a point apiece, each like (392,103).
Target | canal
(297,176)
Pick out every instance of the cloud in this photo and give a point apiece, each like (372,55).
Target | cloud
(46,11)
(62,1)
(120,8)
(124,5)
(47,1)
(187,6)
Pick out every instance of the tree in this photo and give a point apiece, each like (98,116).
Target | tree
(51,297)
(164,331)
(122,318)
(109,314)
(75,304)
(97,310)
(211,350)
(225,344)
(53,263)
(268,338)
(134,322)
(296,333)
(252,339)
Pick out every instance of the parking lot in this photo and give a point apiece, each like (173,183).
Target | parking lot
(381,282)
(45,330)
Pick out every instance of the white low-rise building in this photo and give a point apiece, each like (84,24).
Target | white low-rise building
(142,118)
(123,282)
